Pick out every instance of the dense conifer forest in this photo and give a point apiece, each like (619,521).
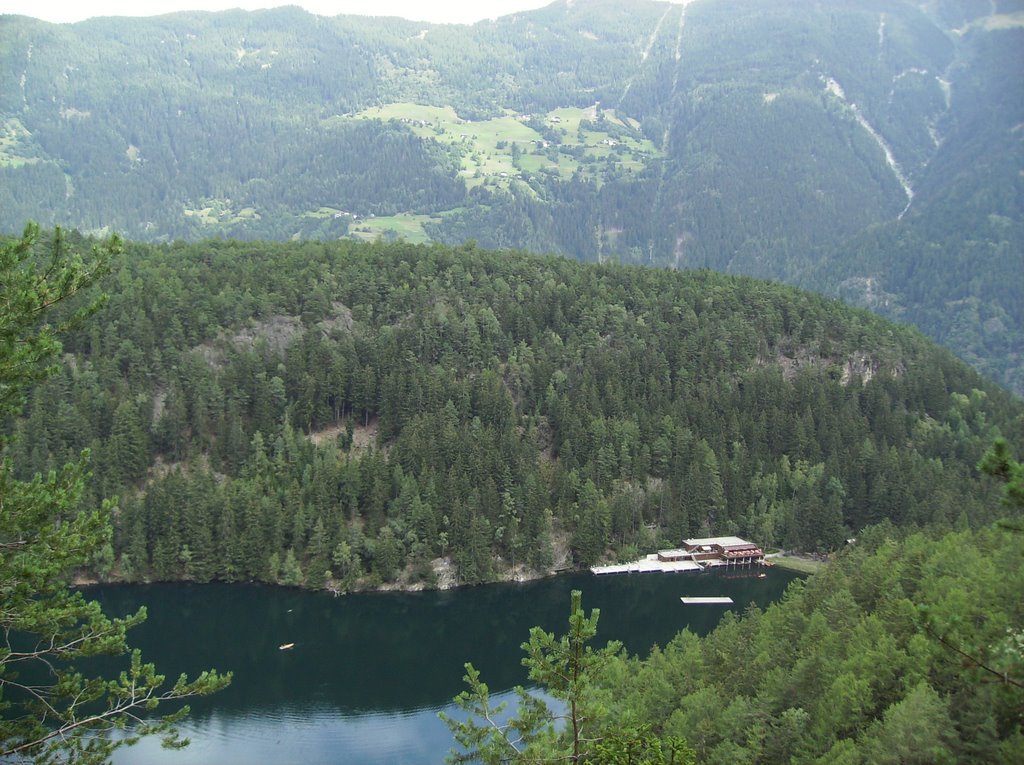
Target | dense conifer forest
(908,648)
(343,347)
(350,414)
(868,150)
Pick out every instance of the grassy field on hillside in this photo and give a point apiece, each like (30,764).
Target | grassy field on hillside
(14,148)
(402,226)
(796,563)
(219,212)
(562,142)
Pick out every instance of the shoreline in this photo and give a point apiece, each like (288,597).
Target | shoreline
(801,566)
(445,577)
(445,581)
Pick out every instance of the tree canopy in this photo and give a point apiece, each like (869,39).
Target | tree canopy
(346,414)
(53,710)
(904,649)
(859,149)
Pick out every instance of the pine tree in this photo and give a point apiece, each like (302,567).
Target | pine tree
(128,451)
(44,536)
(387,555)
(565,668)
(291,571)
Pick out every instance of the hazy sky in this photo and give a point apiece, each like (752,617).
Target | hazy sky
(440,11)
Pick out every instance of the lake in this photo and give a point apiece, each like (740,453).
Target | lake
(370,671)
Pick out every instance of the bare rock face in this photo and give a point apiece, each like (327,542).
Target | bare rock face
(859,364)
(867,292)
(274,334)
(340,321)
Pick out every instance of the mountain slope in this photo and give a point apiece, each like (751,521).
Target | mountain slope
(367,409)
(953,265)
(790,140)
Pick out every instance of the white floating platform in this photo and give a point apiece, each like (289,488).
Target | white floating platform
(704,601)
(648,566)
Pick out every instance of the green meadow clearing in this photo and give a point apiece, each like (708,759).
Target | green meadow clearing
(402,226)
(15,150)
(561,143)
(220,212)
(506,150)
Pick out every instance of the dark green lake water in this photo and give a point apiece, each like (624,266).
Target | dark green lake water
(369,672)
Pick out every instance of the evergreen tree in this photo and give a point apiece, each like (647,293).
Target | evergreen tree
(567,669)
(291,571)
(597,406)
(388,554)
(45,535)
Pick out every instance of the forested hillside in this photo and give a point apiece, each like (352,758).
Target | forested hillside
(349,414)
(906,649)
(869,150)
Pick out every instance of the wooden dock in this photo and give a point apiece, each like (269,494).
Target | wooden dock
(694,555)
(649,565)
(705,601)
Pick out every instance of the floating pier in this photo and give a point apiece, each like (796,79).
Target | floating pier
(694,555)
(705,601)
(649,565)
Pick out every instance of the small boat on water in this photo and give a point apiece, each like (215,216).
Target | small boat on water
(286,646)
(762,575)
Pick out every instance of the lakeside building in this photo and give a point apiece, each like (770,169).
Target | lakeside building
(728,549)
(694,555)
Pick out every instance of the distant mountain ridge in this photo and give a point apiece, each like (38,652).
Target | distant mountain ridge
(870,150)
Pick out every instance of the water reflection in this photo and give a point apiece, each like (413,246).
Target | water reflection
(305,736)
(369,672)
